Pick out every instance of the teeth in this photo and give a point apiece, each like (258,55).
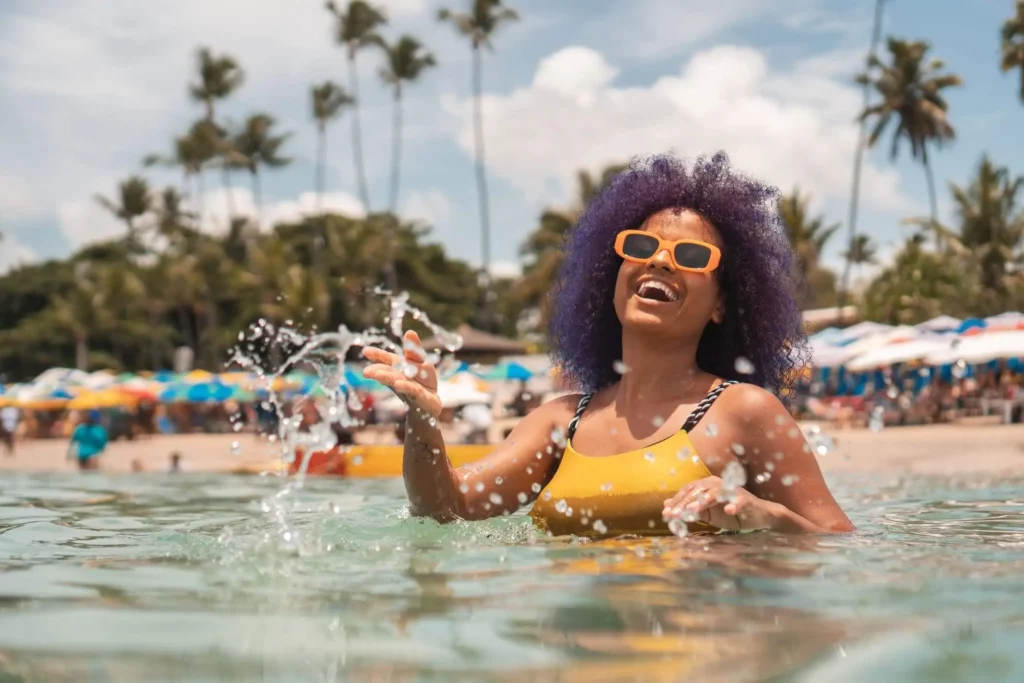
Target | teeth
(660,286)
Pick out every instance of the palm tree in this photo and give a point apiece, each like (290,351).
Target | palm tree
(482,21)
(80,311)
(862,251)
(356,28)
(991,224)
(256,145)
(1013,44)
(133,201)
(911,91)
(328,100)
(808,237)
(544,248)
(405,60)
(219,76)
(858,160)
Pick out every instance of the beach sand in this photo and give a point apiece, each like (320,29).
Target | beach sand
(933,449)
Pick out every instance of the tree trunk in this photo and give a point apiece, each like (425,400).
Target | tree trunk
(81,352)
(933,203)
(481,183)
(858,160)
(357,133)
(257,195)
(396,150)
(320,233)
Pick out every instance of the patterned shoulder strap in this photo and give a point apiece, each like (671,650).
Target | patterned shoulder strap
(705,405)
(575,421)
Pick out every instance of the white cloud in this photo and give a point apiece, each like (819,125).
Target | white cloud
(13,253)
(790,128)
(506,269)
(431,207)
(574,71)
(85,221)
(16,199)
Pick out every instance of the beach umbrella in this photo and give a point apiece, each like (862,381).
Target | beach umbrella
(199,377)
(104,398)
(902,352)
(206,392)
(982,348)
(942,323)
(507,371)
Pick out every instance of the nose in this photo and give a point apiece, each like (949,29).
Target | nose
(662,261)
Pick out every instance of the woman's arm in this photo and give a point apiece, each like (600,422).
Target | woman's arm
(498,484)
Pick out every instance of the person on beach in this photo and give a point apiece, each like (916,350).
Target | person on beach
(88,441)
(9,419)
(674,317)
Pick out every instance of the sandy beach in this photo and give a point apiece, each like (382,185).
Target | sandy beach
(935,449)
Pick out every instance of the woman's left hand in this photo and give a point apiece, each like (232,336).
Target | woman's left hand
(709,500)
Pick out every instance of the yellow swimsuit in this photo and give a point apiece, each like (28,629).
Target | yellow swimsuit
(622,493)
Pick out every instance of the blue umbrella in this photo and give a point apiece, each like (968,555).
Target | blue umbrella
(204,392)
(971,323)
(507,370)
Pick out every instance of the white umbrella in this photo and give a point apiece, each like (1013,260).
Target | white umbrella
(942,323)
(981,348)
(902,352)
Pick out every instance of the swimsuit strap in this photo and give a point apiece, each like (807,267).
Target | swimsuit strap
(705,405)
(575,421)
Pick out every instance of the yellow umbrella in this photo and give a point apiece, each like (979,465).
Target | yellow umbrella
(198,376)
(109,398)
(43,404)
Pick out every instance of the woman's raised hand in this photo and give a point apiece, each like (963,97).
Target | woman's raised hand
(412,378)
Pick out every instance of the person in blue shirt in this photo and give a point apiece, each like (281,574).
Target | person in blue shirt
(88,441)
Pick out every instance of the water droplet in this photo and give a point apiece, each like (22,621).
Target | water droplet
(495,498)
(712,430)
(235,448)
(535,487)
(658,421)
(650,524)
(793,432)
(744,366)
(677,527)
(959,369)
(357,460)
(790,479)
(547,495)
(763,477)
(738,449)
(561,506)
(558,437)
(606,487)
(648,456)
(600,527)
(479,486)
(770,466)
(892,392)
(568,512)
(522,498)
(684,453)
(237,427)
(498,480)
(620,367)
(733,477)
(780,420)
(464,487)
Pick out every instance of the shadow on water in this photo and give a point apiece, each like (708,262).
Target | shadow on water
(192,578)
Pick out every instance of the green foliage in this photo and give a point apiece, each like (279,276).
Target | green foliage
(1012,52)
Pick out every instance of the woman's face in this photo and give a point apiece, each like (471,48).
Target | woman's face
(694,298)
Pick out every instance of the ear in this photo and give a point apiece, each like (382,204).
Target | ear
(718,315)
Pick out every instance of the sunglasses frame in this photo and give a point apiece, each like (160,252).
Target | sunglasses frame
(714,259)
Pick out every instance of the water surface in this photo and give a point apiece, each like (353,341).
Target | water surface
(156,577)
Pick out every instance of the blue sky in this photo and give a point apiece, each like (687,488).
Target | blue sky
(92,86)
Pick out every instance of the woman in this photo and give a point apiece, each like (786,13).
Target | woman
(674,307)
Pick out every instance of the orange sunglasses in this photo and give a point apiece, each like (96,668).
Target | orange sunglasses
(692,256)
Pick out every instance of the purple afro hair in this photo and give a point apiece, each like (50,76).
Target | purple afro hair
(762,321)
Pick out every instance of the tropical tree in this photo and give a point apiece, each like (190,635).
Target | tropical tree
(405,61)
(1013,44)
(858,158)
(219,77)
(911,92)
(328,101)
(189,155)
(133,201)
(356,28)
(80,311)
(861,252)
(543,252)
(991,224)
(808,236)
(478,25)
(921,285)
(257,146)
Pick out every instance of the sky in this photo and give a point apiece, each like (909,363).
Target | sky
(90,87)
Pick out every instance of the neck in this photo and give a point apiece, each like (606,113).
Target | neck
(659,370)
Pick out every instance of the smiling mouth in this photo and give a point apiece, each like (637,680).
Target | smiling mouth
(652,290)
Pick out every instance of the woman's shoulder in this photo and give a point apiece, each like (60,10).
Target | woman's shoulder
(751,404)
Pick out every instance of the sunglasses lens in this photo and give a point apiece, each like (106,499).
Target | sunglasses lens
(640,246)
(692,255)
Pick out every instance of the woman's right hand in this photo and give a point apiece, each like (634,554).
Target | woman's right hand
(418,391)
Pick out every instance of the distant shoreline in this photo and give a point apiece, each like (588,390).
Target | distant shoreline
(931,449)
